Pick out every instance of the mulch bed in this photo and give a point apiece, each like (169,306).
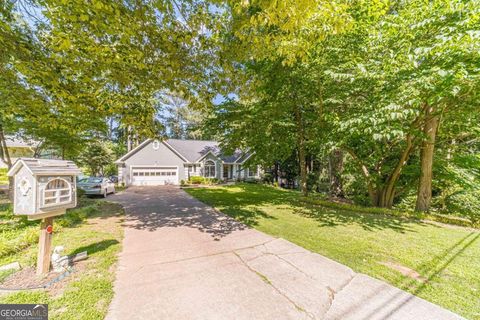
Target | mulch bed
(27,279)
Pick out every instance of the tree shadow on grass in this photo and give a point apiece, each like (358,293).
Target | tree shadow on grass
(155,207)
(96,247)
(247,216)
(328,217)
(107,209)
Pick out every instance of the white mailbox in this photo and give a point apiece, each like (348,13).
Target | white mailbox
(43,187)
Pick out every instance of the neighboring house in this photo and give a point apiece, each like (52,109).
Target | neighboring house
(156,162)
(18,148)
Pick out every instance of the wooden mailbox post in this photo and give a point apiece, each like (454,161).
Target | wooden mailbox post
(43,189)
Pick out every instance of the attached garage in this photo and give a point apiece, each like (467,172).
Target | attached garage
(154,176)
(168,162)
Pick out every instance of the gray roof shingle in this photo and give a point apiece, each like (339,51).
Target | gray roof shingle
(46,166)
(17,142)
(193,150)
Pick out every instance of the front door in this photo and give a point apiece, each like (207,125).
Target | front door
(226,171)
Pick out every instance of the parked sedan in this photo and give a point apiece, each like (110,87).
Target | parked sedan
(96,186)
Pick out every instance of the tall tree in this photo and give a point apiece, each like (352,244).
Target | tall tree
(394,92)
(122,55)
(180,119)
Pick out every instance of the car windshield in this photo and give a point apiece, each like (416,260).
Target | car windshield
(91,180)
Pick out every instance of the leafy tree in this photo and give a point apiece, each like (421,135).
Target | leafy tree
(276,122)
(179,118)
(96,156)
(121,56)
(395,90)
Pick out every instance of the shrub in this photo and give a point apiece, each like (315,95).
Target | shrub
(213,181)
(77,215)
(312,181)
(80,193)
(196,180)
(267,178)
(182,182)
(465,203)
(202,180)
(22,240)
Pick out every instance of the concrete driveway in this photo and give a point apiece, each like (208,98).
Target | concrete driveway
(183,260)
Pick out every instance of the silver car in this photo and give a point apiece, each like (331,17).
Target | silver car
(96,186)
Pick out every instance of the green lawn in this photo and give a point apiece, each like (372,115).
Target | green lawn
(3,176)
(447,256)
(94,227)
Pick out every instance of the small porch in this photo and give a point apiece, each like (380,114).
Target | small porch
(230,171)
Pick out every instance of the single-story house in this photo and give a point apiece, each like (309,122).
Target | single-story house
(156,162)
(18,148)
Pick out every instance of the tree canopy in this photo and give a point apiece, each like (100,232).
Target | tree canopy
(381,94)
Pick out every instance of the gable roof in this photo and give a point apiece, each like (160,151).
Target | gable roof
(193,150)
(45,167)
(17,142)
(190,150)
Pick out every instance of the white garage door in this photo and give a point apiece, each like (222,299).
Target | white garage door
(154,176)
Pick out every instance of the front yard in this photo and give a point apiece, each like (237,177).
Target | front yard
(439,263)
(86,293)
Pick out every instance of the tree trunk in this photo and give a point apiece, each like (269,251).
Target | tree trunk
(2,155)
(276,173)
(424,194)
(301,151)
(129,138)
(387,195)
(6,158)
(366,173)
(383,195)
(38,149)
(335,168)
(303,167)
(5,154)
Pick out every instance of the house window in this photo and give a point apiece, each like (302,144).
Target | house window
(210,169)
(57,192)
(252,172)
(156,145)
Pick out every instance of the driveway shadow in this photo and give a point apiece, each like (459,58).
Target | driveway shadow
(151,208)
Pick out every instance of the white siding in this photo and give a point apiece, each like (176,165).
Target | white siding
(148,156)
